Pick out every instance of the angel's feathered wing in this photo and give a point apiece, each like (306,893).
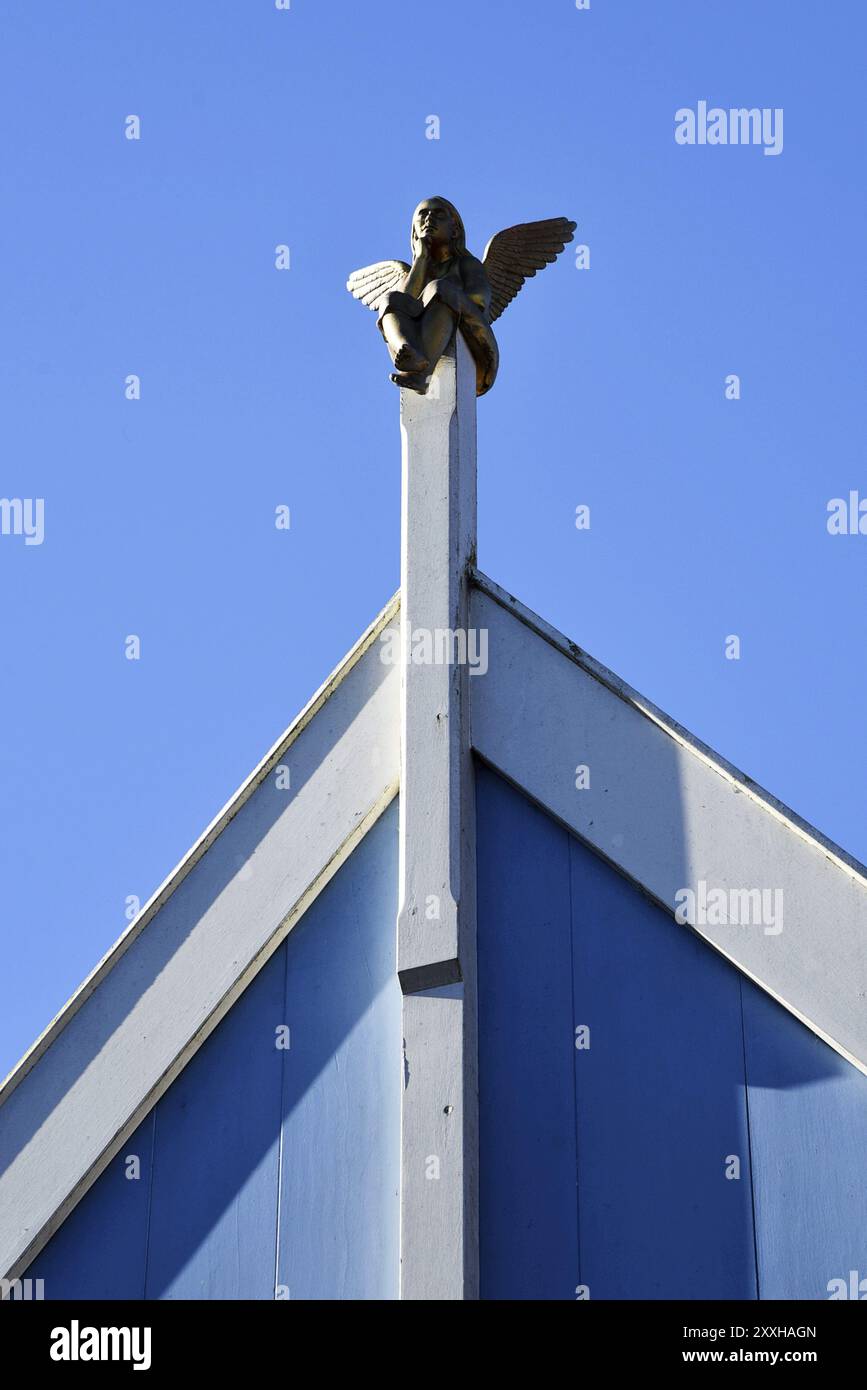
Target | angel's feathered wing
(373,283)
(512,256)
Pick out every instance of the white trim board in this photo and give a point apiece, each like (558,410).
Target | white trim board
(72,1102)
(438,544)
(665,811)
(436,934)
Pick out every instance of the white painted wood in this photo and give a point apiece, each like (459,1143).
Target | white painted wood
(669,814)
(433,1213)
(438,539)
(135,1023)
(437,914)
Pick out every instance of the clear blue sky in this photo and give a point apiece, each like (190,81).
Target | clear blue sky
(259,387)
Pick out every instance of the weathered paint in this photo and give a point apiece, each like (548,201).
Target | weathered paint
(269,1171)
(606,1166)
(437,1226)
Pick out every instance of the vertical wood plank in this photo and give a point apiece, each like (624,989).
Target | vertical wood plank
(527,1162)
(100,1250)
(808,1125)
(213,1225)
(660,1100)
(339,1174)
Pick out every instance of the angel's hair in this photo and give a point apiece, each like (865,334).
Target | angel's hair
(459,242)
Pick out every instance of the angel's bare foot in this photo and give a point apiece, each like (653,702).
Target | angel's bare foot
(413,381)
(406,359)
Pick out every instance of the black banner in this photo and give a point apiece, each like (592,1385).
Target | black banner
(83,1338)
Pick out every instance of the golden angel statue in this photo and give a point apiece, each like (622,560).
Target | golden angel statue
(418,307)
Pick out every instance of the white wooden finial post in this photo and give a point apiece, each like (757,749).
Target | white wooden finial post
(436,920)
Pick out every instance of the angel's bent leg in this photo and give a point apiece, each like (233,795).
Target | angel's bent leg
(401,335)
(437,327)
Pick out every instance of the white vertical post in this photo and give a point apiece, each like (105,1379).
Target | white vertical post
(437,916)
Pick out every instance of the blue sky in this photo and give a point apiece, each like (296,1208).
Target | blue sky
(260,388)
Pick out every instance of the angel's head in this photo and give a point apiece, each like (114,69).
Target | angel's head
(437,223)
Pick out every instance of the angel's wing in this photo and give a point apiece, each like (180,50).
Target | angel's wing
(373,283)
(512,256)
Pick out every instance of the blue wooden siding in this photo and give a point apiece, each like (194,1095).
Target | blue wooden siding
(269,1172)
(264,1171)
(528,1164)
(606,1166)
(808,1127)
(100,1250)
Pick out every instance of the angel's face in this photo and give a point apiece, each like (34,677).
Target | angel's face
(433,225)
